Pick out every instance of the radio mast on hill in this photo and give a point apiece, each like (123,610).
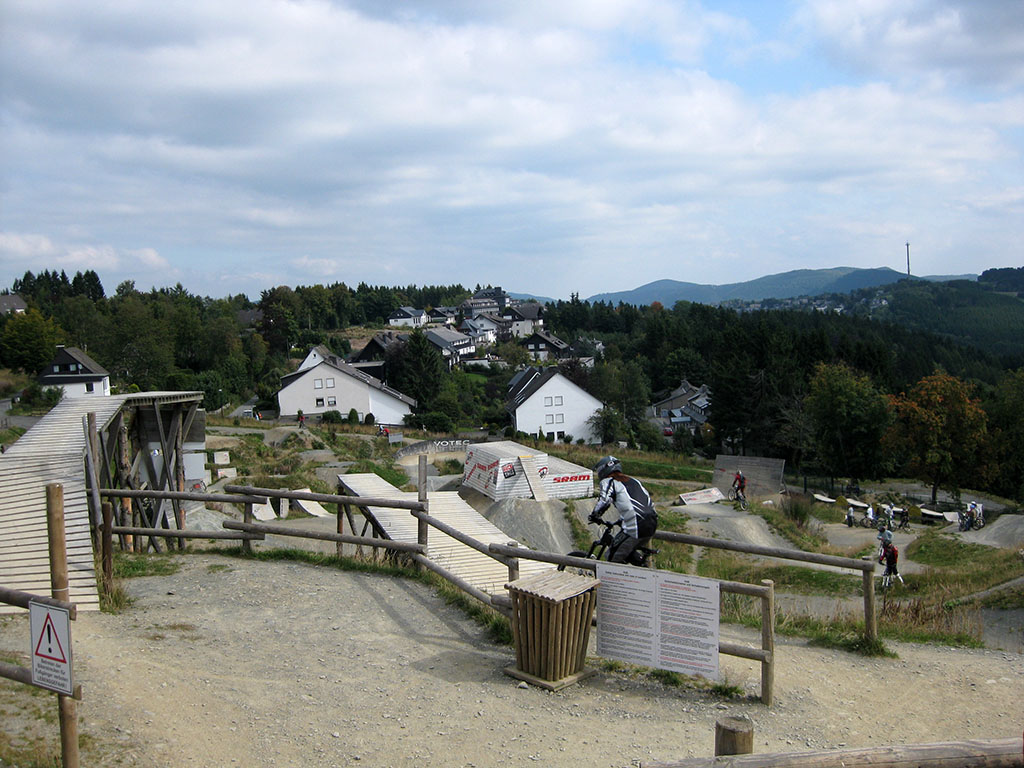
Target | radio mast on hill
(908,258)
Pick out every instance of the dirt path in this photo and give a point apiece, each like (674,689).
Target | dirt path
(281,664)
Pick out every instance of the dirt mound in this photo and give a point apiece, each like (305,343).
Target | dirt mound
(1004,531)
(539,525)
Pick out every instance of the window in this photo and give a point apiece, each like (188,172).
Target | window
(319,402)
(559,418)
(318,383)
(330,383)
(547,401)
(558,399)
(332,401)
(551,435)
(561,435)
(88,386)
(549,418)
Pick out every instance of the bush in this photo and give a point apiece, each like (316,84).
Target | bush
(369,420)
(437,422)
(331,417)
(353,416)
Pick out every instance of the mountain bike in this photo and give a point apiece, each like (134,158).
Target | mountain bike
(735,494)
(904,524)
(866,521)
(641,556)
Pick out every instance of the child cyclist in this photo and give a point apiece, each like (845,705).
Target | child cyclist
(889,555)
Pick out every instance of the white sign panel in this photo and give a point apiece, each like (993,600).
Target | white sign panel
(50,630)
(658,619)
(703,496)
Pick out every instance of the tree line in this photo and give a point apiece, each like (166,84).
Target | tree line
(845,395)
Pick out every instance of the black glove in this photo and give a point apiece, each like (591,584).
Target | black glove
(594,517)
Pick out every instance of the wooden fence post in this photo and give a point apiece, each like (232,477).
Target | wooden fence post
(107,550)
(870,624)
(767,644)
(247,518)
(67,709)
(734,736)
(513,564)
(421,482)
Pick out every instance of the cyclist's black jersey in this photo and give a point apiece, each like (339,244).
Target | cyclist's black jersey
(636,510)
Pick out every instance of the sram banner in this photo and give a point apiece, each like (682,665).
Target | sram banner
(571,478)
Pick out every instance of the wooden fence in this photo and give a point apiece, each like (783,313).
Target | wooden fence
(509,556)
(865,565)
(971,753)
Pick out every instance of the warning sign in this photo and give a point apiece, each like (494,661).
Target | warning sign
(51,647)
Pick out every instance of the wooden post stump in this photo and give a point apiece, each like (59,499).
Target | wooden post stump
(734,736)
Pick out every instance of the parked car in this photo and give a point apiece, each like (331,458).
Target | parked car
(667,432)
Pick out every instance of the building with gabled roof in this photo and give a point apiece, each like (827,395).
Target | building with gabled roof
(77,373)
(454,346)
(408,316)
(544,403)
(442,315)
(327,384)
(12,302)
(545,346)
(685,406)
(523,319)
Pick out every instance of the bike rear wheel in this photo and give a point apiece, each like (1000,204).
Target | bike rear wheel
(978,525)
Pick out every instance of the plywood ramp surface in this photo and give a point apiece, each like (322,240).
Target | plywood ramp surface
(480,570)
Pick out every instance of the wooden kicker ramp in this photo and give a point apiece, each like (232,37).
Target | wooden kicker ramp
(483,572)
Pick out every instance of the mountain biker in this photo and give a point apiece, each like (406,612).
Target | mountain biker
(637,516)
(871,514)
(890,555)
(739,482)
(972,511)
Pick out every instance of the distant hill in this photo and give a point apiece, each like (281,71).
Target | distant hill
(800,282)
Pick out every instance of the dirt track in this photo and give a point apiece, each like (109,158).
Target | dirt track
(280,664)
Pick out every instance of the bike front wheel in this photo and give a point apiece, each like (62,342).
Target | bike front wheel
(978,525)
(576,569)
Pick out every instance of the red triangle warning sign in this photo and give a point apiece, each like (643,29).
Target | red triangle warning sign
(49,646)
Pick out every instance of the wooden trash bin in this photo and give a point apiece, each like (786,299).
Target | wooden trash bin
(551,615)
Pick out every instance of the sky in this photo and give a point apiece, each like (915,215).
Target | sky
(578,146)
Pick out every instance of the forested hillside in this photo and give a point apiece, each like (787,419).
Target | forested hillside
(830,392)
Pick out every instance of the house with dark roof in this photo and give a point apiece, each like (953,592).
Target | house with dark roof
(544,346)
(686,406)
(544,403)
(482,334)
(442,315)
(408,316)
(12,302)
(77,373)
(523,319)
(454,346)
(324,383)
(376,348)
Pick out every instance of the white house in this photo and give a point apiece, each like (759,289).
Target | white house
(523,319)
(408,316)
(331,385)
(543,400)
(77,373)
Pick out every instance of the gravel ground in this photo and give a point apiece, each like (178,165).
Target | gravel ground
(281,664)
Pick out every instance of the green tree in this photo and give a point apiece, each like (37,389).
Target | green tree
(1006,423)
(938,433)
(607,423)
(848,417)
(416,368)
(29,341)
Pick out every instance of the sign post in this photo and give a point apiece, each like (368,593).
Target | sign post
(50,649)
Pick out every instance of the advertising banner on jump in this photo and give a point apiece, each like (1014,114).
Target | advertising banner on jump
(658,619)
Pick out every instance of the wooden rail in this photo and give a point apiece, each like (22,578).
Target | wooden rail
(328,498)
(865,565)
(971,753)
(262,529)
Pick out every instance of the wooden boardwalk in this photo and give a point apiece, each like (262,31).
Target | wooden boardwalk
(483,572)
(52,451)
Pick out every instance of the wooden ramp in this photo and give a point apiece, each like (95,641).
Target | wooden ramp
(52,451)
(529,464)
(483,572)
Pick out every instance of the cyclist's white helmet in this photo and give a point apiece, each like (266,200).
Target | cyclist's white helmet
(606,466)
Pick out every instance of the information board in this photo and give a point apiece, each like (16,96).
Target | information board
(658,619)
(50,635)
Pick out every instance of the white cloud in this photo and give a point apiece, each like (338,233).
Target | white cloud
(235,138)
